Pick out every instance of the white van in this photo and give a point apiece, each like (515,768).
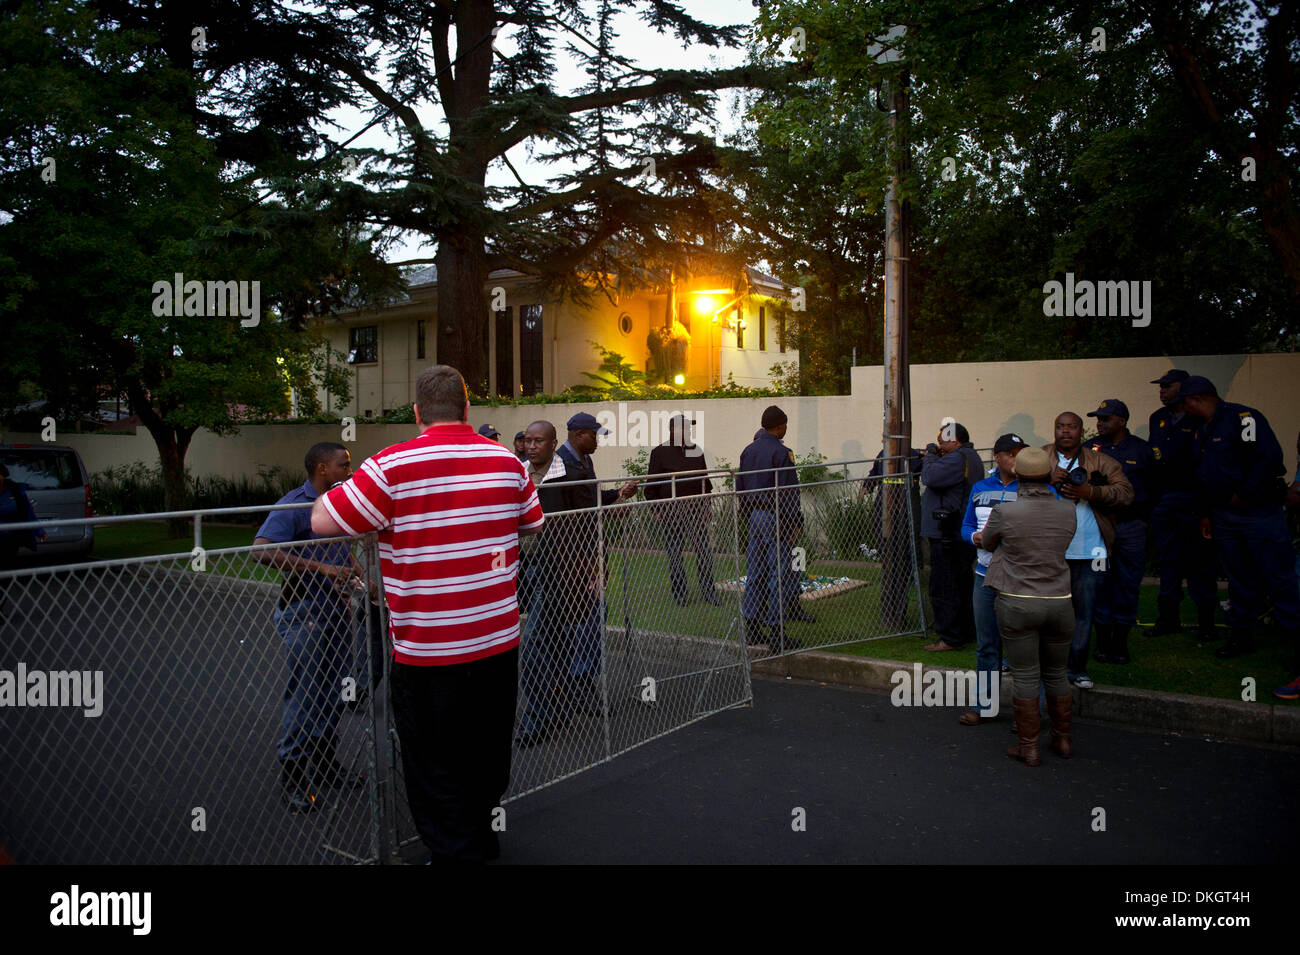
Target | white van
(59,488)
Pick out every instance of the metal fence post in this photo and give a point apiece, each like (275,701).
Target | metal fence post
(600,606)
(916,572)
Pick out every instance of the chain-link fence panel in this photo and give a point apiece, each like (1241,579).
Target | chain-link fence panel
(190,710)
(225,707)
(617,646)
(828,564)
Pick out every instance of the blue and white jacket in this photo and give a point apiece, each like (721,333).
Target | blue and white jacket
(984,496)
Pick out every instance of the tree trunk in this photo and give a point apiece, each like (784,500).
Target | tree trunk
(462,310)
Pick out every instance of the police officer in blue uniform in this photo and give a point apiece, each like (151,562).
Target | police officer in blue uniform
(769,502)
(1181,552)
(576,454)
(1239,497)
(1117,599)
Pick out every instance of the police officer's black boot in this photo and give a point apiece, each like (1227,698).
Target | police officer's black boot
(1205,632)
(782,642)
(329,771)
(297,785)
(1119,643)
(1103,652)
(1240,641)
(796,612)
(753,632)
(1167,617)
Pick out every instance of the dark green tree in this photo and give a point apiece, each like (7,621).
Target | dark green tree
(1040,147)
(134,150)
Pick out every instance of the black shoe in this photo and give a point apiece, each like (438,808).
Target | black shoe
(710,596)
(1167,620)
(680,600)
(1240,642)
(1119,644)
(296,786)
(798,614)
(329,771)
(534,737)
(782,642)
(754,632)
(1102,654)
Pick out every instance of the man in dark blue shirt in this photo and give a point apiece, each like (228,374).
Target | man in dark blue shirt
(1181,552)
(1117,600)
(1240,492)
(584,537)
(313,617)
(768,487)
(948,470)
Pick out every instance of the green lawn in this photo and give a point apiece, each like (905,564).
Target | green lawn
(1173,663)
(150,538)
(638,583)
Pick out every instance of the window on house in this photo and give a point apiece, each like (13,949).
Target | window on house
(762,329)
(530,350)
(780,329)
(505,351)
(740,329)
(363,344)
(419,339)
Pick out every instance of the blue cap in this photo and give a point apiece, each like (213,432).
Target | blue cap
(488,431)
(1169,377)
(1111,407)
(586,422)
(1196,385)
(518,435)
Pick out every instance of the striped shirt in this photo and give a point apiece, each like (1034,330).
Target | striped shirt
(448,507)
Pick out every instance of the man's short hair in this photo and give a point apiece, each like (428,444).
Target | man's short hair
(320,453)
(550,428)
(960,431)
(1072,415)
(440,394)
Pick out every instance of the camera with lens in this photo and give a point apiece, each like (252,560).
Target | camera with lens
(1076,476)
(949,521)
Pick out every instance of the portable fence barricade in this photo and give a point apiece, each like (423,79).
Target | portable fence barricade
(160,732)
(150,711)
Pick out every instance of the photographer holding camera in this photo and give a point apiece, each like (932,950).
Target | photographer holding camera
(1096,484)
(948,469)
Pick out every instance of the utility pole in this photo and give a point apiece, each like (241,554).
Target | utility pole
(896,554)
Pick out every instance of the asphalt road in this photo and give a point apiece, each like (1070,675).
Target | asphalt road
(879,784)
(194,677)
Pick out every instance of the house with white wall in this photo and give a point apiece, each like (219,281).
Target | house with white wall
(538,343)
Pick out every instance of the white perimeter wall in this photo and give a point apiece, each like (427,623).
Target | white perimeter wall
(990,398)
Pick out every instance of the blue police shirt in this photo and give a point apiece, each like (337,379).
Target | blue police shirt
(1136,460)
(1174,440)
(284,526)
(768,451)
(1239,454)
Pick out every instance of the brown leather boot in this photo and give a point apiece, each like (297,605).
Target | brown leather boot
(1060,710)
(1027,730)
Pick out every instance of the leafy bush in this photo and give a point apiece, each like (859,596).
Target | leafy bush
(138,489)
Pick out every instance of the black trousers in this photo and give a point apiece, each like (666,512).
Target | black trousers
(455,724)
(688,521)
(952,579)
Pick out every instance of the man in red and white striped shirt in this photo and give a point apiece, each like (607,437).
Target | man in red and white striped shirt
(449,507)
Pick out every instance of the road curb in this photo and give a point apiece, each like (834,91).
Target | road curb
(1261,721)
